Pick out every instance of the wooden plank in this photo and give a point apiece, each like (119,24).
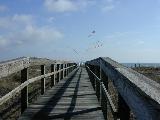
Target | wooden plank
(72,98)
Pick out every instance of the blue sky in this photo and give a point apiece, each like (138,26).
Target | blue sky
(125,30)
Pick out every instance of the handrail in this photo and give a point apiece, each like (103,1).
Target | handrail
(26,83)
(138,93)
(94,74)
(109,99)
(106,94)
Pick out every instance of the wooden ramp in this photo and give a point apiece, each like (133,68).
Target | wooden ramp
(72,98)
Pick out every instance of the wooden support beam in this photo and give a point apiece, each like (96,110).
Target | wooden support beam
(140,93)
(61,71)
(92,77)
(64,65)
(68,68)
(58,74)
(52,76)
(24,91)
(123,109)
(104,102)
(97,83)
(65,71)
(43,79)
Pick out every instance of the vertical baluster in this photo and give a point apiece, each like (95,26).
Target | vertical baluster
(52,76)
(61,71)
(104,101)
(43,79)
(57,75)
(123,109)
(64,70)
(24,91)
(97,88)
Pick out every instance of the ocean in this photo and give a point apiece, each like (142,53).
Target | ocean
(141,64)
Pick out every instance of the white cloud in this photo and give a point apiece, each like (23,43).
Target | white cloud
(60,5)
(67,5)
(25,19)
(15,21)
(51,19)
(20,29)
(109,5)
(40,34)
(108,8)
(3,8)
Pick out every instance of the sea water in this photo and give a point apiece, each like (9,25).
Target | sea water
(141,64)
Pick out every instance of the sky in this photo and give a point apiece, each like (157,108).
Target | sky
(125,30)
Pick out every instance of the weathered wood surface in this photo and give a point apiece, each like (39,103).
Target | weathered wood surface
(72,98)
(26,83)
(139,92)
(15,65)
(103,93)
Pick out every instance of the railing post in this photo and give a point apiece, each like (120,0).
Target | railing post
(43,79)
(61,71)
(97,88)
(64,65)
(123,109)
(68,68)
(52,76)
(92,77)
(58,74)
(65,71)
(24,91)
(104,101)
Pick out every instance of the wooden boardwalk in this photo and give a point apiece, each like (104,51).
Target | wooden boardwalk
(72,98)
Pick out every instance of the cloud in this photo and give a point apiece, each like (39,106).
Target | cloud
(3,8)
(67,5)
(21,29)
(26,19)
(12,22)
(108,8)
(38,34)
(60,5)
(109,5)
(51,19)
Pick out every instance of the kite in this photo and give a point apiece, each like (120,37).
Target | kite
(96,45)
(91,34)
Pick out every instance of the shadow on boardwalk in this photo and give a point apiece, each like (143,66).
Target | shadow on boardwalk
(74,97)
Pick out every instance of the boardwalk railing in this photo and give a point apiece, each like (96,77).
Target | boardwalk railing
(59,69)
(136,93)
